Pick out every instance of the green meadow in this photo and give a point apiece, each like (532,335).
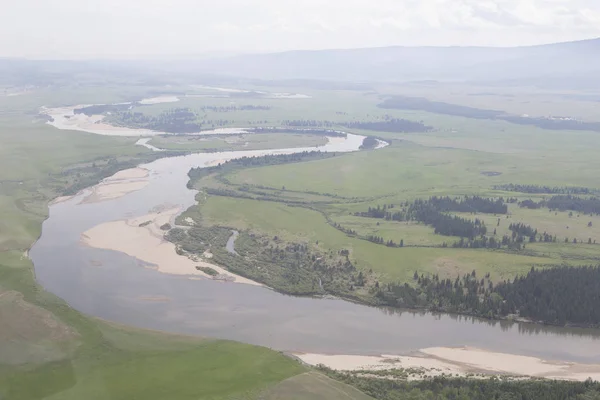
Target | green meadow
(51,351)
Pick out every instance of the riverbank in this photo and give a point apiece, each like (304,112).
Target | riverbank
(143,238)
(458,362)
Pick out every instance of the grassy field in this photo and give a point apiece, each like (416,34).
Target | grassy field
(407,169)
(459,157)
(238,142)
(50,351)
(297,224)
(313,386)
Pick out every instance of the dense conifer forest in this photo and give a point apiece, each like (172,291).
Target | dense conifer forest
(557,296)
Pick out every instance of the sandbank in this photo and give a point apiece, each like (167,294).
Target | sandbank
(147,244)
(459,361)
(160,99)
(118,185)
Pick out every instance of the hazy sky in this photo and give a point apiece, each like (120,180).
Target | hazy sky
(134,28)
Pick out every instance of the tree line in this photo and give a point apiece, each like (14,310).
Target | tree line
(433,212)
(395,125)
(235,108)
(369,142)
(317,132)
(537,189)
(586,205)
(438,107)
(271,159)
(559,296)
(448,388)
(176,120)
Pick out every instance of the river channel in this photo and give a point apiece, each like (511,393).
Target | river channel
(117,287)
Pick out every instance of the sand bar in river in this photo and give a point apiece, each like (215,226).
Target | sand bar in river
(459,361)
(118,185)
(147,243)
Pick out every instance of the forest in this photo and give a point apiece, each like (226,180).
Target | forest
(225,109)
(272,159)
(537,189)
(396,125)
(176,120)
(589,205)
(100,109)
(433,212)
(438,107)
(388,124)
(446,388)
(318,132)
(291,268)
(557,296)
(369,143)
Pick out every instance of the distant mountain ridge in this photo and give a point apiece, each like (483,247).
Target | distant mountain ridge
(558,61)
(568,65)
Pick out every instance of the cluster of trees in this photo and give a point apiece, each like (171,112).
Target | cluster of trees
(380,240)
(438,107)
(448,388)
(537,189)
(71,180)
(450,225)
(562,295)
(586,205)
(554,123)
(470,204)
(273,159)
(590,205)
(523,230)
(559,296)
(235,108)
(316,132)
(176,120)
(347,231)
(101,109)
(484,242)
(396,125)
(369,143)
(307,123)
(433,212)
(532,205)
(292,268)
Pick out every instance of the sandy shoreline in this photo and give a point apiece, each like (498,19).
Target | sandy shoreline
(118,185)
(147,244)
(462,361)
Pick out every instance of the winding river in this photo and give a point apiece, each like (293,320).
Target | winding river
(116,287)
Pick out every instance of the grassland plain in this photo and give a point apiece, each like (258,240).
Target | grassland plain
(50,351)
(238,142)
(459,157)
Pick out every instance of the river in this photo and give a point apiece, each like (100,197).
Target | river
(116,287)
